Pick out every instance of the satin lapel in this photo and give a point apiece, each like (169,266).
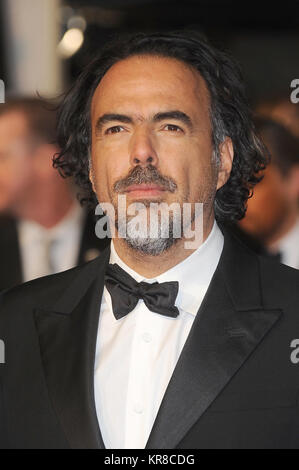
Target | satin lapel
(229,325)
(68,344)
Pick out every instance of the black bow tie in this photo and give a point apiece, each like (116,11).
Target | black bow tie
(125,293)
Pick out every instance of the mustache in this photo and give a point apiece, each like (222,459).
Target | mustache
(145,175)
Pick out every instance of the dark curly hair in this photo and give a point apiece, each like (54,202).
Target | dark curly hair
(229,112)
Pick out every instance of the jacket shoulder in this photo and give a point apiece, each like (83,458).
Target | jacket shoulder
(41,290)
(280,283)
(273,268)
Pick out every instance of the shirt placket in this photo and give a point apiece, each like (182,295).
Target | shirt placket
(139,383)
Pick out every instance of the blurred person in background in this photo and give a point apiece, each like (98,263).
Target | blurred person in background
(281,110)
(272,217)
(43,229)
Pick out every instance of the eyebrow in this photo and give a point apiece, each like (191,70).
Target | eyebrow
(158,117)
(177,115)
(106,118)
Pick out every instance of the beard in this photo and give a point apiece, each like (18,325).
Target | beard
(140,237)
(155,232)
(158,229)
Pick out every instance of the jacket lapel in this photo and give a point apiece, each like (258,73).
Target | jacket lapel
(229,325)
(67,335)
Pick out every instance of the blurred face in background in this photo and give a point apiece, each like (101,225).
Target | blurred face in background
(271,207)
(284,112)
(16,164)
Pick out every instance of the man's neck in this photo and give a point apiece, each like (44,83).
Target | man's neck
(151,266)
(46,211)
(284,229)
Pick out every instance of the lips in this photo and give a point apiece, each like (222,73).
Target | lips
(144,189)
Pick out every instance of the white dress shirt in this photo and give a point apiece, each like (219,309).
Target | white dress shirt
(288,246)
(47,251)
(136,355)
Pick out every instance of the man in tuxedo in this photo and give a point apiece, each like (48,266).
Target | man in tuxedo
(43,229)
(158,343)
(272,216)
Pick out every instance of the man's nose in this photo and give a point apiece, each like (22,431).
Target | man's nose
(142,149)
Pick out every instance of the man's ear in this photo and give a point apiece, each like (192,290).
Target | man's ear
(226,153)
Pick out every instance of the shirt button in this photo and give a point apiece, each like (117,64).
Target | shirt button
(147,337)
(138,408)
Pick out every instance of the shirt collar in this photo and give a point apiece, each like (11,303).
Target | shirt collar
(289,248)
(194,273)
(290,239)
(33,232)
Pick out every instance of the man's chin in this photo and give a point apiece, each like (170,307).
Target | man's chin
(150,246)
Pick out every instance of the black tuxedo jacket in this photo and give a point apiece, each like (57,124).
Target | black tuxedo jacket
(11,271)
(236,383)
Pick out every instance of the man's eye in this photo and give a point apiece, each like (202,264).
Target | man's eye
(172,128)
(114,130)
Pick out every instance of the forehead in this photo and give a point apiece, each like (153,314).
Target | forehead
(146,84)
